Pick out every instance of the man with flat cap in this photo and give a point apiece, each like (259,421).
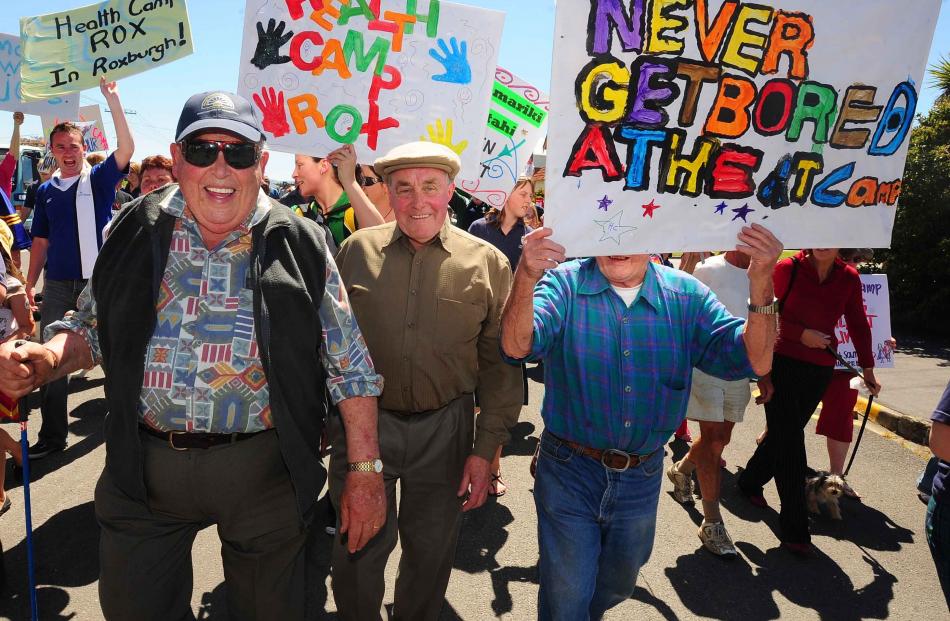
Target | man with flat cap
(428,298)
(216,407)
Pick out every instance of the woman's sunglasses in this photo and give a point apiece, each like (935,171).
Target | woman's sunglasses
(203,153)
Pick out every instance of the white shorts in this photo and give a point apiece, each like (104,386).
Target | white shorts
(715,400)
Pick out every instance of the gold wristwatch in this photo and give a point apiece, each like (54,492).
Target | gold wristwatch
(768,309)
(373,465)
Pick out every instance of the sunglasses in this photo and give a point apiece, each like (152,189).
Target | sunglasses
(203,153)
(368,181)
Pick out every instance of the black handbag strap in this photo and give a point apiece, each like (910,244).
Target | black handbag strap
(791,281)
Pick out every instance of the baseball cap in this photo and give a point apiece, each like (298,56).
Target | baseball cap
(219,110)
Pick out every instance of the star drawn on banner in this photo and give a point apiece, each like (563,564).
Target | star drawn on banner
(649,208)
(604,203)
(721,207)
(742,212)
(613,229)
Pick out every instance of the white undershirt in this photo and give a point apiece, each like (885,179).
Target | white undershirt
(627,294)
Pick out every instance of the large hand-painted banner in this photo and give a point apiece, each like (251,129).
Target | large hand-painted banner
(71,50)
(675,122)
(332,72)
(11,98)
(517,122)
(877,307)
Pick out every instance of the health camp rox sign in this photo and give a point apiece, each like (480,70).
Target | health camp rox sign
(375,73)
(675,122)
(71,51)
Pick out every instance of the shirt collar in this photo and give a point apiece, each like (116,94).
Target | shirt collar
(592,282)
(442,238)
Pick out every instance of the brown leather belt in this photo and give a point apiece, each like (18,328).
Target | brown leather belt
(613,459)
(184,440)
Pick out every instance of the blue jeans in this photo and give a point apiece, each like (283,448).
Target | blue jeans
(595,530)
(59,297)
(937,526)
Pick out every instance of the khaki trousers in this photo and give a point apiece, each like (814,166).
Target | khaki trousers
(425,452)
(145,549)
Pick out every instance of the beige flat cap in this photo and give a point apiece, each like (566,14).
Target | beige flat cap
(420,154)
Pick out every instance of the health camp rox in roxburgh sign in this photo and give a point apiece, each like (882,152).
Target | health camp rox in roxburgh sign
(678,121)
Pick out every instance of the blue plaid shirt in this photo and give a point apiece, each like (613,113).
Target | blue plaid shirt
(619,377)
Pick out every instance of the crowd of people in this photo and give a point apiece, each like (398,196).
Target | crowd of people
(244,339)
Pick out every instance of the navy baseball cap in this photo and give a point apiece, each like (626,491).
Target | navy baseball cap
(219,110)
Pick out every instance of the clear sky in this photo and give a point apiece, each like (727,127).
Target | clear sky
(156,97)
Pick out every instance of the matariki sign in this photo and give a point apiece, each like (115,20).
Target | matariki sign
(375,73)
(676,122)
(517,122)
(72,50)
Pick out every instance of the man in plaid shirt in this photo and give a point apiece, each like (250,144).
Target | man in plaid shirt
(619,337)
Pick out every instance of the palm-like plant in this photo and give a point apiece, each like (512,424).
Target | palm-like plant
(940,76)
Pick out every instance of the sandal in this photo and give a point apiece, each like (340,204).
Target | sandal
(497,487)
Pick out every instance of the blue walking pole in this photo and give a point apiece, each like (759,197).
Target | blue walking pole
(24,410)
(28,516)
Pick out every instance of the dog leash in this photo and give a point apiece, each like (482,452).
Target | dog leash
(867,410)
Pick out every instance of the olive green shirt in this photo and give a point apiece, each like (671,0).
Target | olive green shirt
(431,319)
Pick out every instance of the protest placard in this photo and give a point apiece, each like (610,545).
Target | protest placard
(517,121)
(89,121)
(877,307)
(66,105)
(370,72)
(676,122)
(71,50)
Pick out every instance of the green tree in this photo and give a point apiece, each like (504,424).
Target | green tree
(918,262)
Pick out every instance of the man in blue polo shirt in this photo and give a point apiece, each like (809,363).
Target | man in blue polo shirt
(70,211)
(619,336)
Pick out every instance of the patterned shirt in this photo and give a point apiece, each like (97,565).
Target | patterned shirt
(203,371)
(617,376)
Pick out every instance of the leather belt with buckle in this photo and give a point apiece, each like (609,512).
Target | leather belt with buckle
(612,459)
(183,440)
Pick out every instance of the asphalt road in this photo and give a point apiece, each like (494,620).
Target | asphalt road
(873,565)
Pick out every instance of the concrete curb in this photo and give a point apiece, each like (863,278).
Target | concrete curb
(907,427)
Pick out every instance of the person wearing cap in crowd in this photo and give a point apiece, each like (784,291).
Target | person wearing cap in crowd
(156,171)
(428,298)
(221,323)
(619,336)
(70,212)
(335,186)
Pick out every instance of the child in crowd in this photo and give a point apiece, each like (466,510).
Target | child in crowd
(16,321)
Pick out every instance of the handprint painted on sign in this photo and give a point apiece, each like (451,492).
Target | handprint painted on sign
(269,43)
(455,61)
(440,134)
(271,104)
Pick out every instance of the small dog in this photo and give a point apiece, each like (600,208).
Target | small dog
(824,488)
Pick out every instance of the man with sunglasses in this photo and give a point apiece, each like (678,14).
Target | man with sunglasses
(221,324)
(70,212)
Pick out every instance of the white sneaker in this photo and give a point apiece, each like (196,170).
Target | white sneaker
(682,485)
(716,539)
